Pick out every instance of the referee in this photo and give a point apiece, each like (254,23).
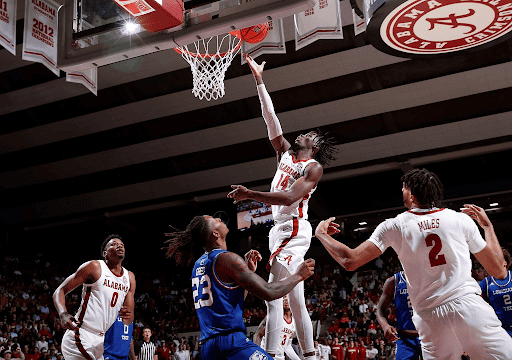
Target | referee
(146,349)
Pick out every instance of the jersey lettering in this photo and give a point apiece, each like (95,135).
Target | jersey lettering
(205,283)
(435,258)
(115,296)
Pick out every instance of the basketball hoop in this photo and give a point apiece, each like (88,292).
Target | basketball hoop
(209,62)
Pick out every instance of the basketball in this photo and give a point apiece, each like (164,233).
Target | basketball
(254,34)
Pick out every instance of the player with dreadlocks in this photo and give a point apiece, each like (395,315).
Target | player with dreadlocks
(434,244)
(299,169)
(219,281)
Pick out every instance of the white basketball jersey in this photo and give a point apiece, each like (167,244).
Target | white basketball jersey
(433,247)
(289,171)
(102,300)
(285,336)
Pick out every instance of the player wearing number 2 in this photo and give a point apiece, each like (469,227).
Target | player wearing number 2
(220,279)
(434,245)
(299,169)
(498,293)
(108,290)
(406,336)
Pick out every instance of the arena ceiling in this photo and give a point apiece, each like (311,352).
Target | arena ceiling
(145,152)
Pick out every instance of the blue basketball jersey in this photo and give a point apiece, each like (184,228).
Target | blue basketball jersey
(117,340)
(219,306)
(498,293)
(403,304)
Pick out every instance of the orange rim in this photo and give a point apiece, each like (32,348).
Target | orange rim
(181,50)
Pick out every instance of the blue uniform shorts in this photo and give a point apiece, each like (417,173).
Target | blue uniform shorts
(232,346)
(408,348)
(113,357)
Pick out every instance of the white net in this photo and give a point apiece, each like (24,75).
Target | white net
(209,59)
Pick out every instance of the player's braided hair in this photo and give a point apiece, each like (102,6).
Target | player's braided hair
(182,243)
(326,149)
(425,186)
(105,242)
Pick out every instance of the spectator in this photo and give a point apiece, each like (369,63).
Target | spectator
(163,351)
(183,353)
(42,343)
(371,352)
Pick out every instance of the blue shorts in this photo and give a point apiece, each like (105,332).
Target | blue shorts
(232,346)
(408,348)
(113,357)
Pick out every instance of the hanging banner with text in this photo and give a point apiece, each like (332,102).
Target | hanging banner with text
(40,33)
(88,78)
(323,21)
(8,25)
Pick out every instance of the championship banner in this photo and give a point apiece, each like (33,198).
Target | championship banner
(88,78)
(323,21)
(274,42)
(40,33)
(8,25)
(359,23)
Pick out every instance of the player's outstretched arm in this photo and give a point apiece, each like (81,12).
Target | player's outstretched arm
(127,310)
(299,190)
(275,133)
(349,258)
(88,272)
(231,267)
(385,300)
(491,257)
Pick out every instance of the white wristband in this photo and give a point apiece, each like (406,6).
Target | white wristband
(269,115)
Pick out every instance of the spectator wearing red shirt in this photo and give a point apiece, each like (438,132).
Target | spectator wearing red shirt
(362,350)
(333,328)
(337,350)
(163,351)
(351,353)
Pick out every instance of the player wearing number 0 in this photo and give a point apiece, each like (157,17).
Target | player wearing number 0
(434,245)
(220,280)
(299,169)
(118,341)
(406,336)
(498,293)
(107,290)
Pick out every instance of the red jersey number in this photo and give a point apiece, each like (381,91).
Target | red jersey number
(435,258)
(283,182)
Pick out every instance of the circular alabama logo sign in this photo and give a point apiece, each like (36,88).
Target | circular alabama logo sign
(436,27)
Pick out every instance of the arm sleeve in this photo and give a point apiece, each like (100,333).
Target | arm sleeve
(267,109)
(291,353)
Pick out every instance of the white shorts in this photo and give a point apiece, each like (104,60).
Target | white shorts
(466,324)
(84,346)
(290,241)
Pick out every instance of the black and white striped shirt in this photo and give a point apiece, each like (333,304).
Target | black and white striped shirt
(147,351)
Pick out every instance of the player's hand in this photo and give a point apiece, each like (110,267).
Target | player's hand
(257,69)
(126,313)
(306,269)
(251,259)
(478,214)
(238,193)
(328,227)
(390,333)
(68,322)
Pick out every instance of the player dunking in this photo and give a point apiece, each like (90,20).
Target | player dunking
(219,281)
(300,168)
(108,290)
(406,336)
(434,245)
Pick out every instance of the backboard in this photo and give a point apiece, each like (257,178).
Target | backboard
(91,32)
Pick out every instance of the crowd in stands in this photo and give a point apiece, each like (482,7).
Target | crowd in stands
(342,306)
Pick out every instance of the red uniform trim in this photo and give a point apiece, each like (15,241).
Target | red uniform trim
(78,342)
(301,205)
(295,230)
